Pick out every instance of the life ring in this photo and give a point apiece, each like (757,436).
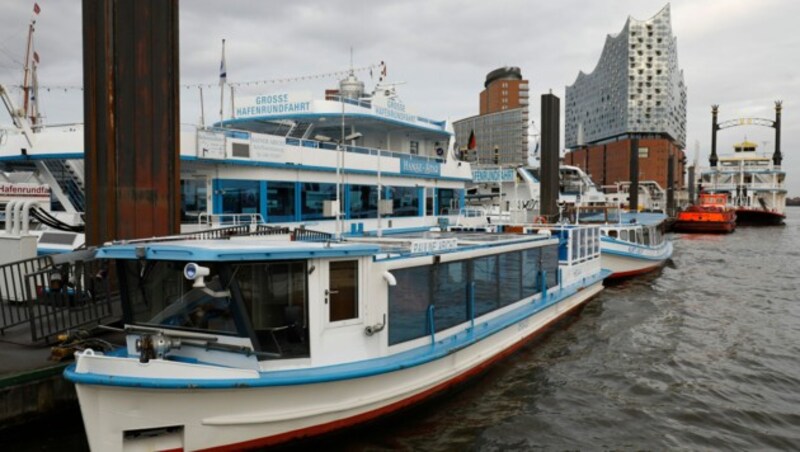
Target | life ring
(540,220)
(439,152)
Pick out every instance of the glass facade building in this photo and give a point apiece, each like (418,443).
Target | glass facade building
(636,88)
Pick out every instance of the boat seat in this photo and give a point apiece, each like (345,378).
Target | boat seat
(293,327)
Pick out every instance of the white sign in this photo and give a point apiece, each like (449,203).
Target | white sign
(210,145)
(432,246)
(267,147)
(273,104)
(30,191)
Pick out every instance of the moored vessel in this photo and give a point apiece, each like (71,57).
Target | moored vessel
(254,341)
(711,214)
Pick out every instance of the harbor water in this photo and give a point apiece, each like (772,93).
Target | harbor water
(703,355)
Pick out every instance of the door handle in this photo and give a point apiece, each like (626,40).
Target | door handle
(331,292)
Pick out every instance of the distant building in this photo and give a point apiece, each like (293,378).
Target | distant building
(636,90)
(498,135)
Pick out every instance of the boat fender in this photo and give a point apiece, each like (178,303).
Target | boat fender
(544,232)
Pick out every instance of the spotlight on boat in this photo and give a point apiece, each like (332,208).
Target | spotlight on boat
(196,273)
(353,136)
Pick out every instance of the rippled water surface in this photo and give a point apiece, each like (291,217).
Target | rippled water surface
(704,355)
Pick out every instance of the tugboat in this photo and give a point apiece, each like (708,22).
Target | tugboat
(710,214)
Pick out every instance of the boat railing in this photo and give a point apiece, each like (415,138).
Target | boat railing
(49,297)
(333,146)
(229,219)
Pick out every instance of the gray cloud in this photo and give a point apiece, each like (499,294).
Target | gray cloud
(738,53)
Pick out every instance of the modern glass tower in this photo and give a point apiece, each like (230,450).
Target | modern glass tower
(636,88)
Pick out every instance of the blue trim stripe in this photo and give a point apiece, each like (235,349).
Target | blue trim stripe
(667,252)
(60,156)
(195,252)
(440,131)
(300,167)
(412,358)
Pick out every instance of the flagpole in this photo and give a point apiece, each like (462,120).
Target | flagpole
(223,75)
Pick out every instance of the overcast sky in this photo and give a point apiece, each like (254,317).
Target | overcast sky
(740,54)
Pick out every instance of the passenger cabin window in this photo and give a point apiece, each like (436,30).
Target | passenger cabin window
(612,233)
(343,290)
(456,292)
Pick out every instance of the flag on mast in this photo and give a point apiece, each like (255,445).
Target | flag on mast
(223,71)
(36,9)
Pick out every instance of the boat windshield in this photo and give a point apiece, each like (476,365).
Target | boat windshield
(207,308)
(159,295)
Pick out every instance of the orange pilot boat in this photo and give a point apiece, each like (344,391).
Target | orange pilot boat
(710,214)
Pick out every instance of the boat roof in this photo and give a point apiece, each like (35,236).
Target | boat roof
(627,218)
(257,248)
(256,115)
(254,248)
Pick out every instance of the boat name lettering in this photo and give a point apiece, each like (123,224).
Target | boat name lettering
(423,167)
(277,103)
(395,105)
(394,114)
(432,246)
(272,99)
(258,110)
(493,175)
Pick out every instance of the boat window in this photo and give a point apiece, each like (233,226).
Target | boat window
(363,201)
(405,201)
(646,236)
(447,202)
(312,198)
(450,294)
(510,273)
(531,261)
(445,286)
(408,304)
(158,294)
(429,193)
(549,264)
(623,235)
(485,277)
(280,201)
(612,233)
(193,199)
(343,290)
(239,196)
(275,295)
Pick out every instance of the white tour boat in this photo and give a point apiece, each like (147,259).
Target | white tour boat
(283,158)
(258,340)
(635,245)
